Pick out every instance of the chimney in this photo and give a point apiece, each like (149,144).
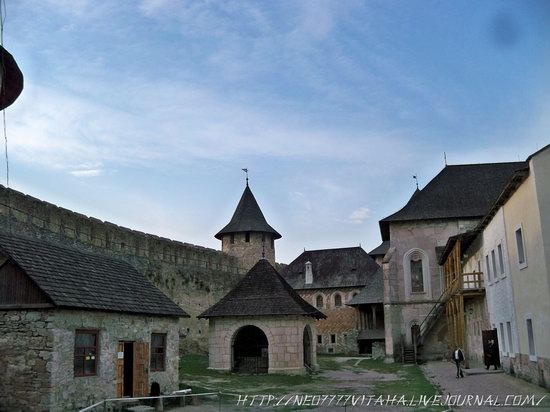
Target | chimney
(309,273)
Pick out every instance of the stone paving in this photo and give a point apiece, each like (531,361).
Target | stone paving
(478,381)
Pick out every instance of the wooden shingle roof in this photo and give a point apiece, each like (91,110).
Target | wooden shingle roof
(248,217)
(373,292)
(72,278)
(458,191)
(332,268)
(262,292)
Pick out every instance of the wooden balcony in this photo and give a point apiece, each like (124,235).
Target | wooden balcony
(466,284)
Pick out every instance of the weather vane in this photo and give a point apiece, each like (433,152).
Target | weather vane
(246,171)
(416,180)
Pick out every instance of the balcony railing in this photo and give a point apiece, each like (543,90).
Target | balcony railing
(467,282)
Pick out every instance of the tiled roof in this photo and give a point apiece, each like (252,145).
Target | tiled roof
(373,292)
(332,268)
(458,191)
(75,279)
(262,292)
(248,217)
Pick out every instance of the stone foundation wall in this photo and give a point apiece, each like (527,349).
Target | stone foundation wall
(285,342)
(72,393)
(26,345)
(192,276)
(537,372)
(340,322)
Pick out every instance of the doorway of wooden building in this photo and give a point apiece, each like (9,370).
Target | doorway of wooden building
(250,350)
(132,369)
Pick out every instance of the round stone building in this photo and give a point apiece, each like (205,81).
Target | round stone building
(262,326)
(248,236)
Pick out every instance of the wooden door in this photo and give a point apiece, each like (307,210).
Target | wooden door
(120,371)
(141,369)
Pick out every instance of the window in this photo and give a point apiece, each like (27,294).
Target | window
(510,342)
(500,259)
(502,339)
(319,339)
(479,266)
(522,260)
(263,237)
(417,272)
(531,338)
(488,268)
(337,300)
(494,261)
(319,301)
(158,351)
(232,238)
(86,353)
(417,277)
(247,237)
(272,243)
(332,338)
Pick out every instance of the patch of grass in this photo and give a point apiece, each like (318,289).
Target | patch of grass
(408,381)
(194,373)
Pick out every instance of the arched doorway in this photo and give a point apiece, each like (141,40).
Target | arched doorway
(307,347)
(415,333)
(250,350)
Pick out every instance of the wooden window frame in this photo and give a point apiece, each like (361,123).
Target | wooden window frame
(78,373)
(154,353)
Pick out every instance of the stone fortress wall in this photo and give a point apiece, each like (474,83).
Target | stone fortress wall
(193,276)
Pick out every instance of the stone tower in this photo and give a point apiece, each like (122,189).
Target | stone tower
(248,236)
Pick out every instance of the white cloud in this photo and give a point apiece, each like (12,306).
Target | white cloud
(358,216)
(87,173)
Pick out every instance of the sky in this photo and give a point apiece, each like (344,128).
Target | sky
(143,113)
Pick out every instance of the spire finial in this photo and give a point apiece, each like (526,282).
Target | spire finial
(445,157)
(246,171)
(416,180)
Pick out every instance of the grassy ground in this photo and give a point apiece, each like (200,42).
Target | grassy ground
(337,376)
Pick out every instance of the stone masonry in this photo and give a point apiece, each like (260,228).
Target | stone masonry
(37,348)
(285,341)
(403,309)
(26,346)
(259,245)
(341,321)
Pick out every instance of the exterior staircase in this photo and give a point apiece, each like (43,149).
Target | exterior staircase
(409,354)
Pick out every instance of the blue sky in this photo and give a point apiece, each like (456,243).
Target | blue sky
(143,113)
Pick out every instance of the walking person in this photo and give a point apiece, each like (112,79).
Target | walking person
(458,357)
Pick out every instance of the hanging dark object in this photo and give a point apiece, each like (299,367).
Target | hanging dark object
(11,84)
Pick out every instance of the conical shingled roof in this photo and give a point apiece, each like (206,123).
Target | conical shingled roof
(262,292)
(248,217)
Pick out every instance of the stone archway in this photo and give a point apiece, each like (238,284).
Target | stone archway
(308,356)
(250,350)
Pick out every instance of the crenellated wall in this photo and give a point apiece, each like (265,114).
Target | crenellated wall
(194,277)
